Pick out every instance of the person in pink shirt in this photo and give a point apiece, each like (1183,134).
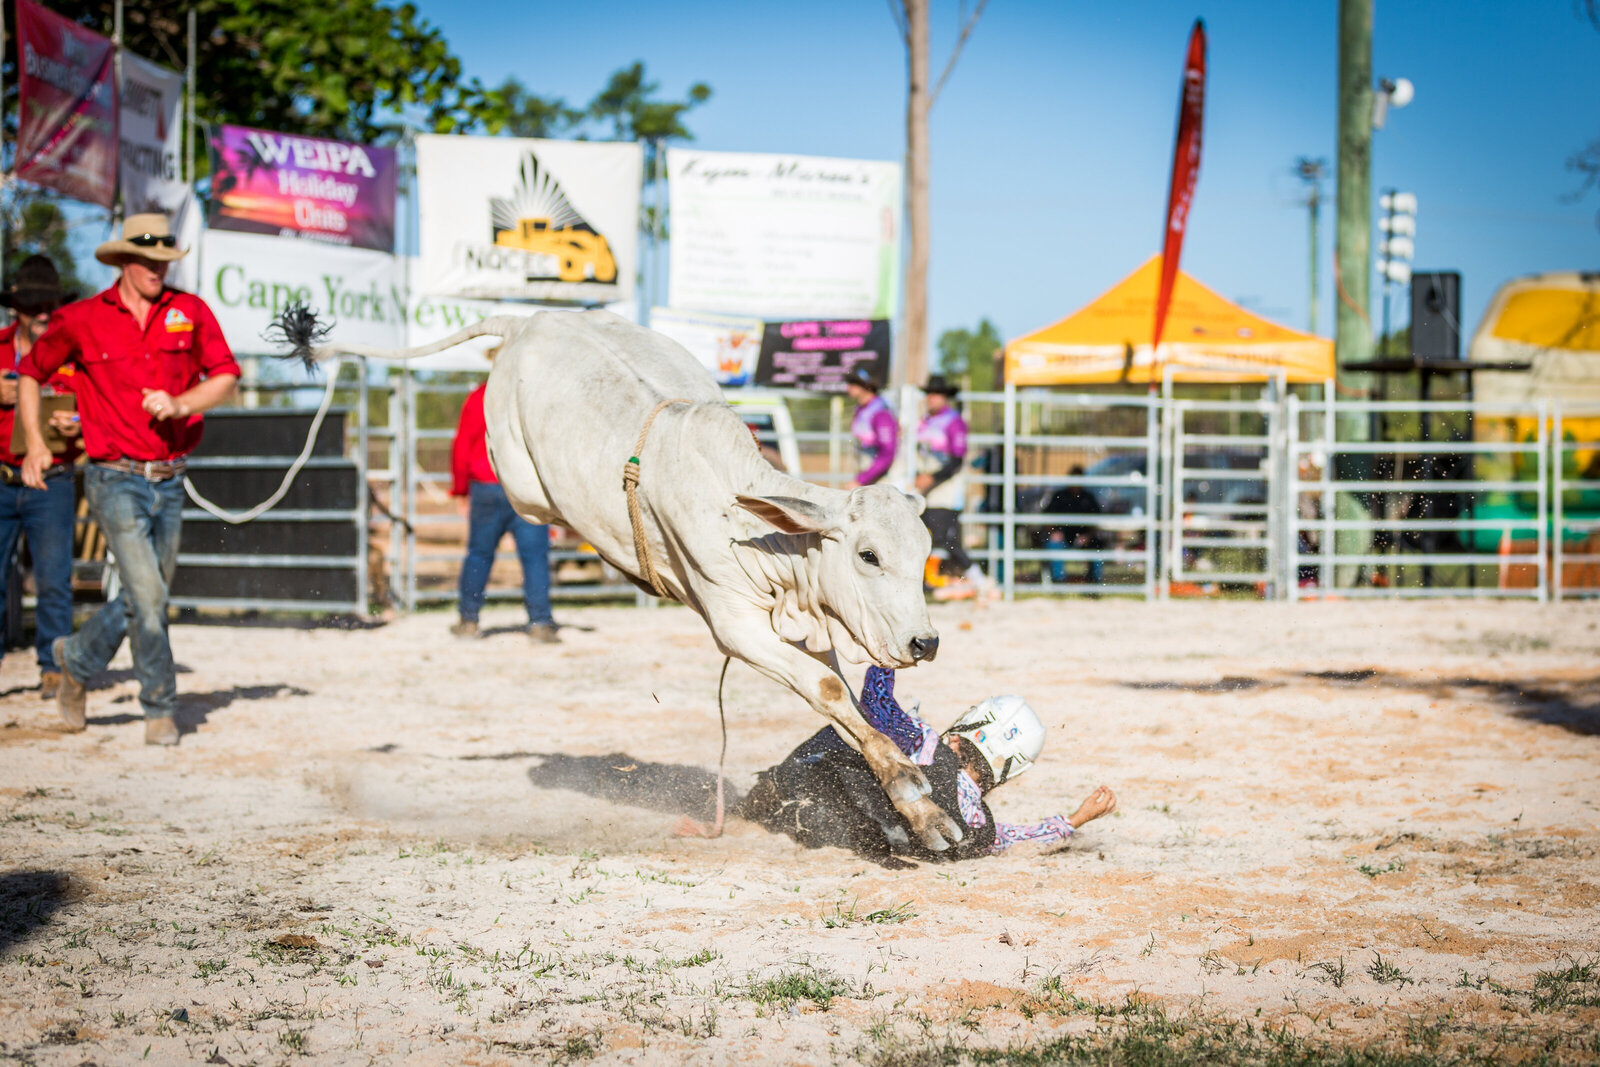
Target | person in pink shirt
(876,430)
(489,518)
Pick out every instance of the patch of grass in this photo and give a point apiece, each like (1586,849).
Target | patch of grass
(844,915)
(204,969)
(699,959)
(1330,971)
(1575,986)
(1386,973)
(293,1041)
(1372,870)
(789,987)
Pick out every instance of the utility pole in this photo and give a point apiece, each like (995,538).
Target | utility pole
(1353,332)
(1312,171)
(914,337)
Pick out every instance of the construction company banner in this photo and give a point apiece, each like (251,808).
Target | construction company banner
(816,354)
(67,129)
(726,344)
(249,279)
(527,219)
(150,138)
(290,186)
(784,236)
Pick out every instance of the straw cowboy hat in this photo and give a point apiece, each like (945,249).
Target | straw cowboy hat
(36,288)
(145,236)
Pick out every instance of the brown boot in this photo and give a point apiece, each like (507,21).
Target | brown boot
(160,731)
(544,634)
(72,696)
(49,682)
(465,628)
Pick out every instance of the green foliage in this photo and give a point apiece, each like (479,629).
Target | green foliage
(971,356)
(627,104)
(34,225)
(815,984)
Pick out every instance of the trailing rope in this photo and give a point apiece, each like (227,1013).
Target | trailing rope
(630,487)
(688,827)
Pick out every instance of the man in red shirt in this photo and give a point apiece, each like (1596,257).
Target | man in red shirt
(489,516)
(148,360)
(46,515)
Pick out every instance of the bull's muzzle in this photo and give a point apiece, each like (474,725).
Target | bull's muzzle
(924,648)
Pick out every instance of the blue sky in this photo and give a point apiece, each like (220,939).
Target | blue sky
(1052,141)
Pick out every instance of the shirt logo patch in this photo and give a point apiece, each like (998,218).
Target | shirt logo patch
(178,322)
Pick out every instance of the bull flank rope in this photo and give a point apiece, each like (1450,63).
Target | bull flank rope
(630,487)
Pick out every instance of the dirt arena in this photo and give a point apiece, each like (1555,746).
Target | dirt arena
(1345,829)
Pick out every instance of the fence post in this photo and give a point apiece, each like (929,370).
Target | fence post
(1152,497)
(1543,443)
(363,514)
(1008,490)
(408,409)
(1330,471)
(1291,480)
(1558,449)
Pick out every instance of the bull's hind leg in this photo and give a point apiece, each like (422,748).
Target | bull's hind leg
(826,692)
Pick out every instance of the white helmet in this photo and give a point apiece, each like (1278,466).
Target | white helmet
(1006,731)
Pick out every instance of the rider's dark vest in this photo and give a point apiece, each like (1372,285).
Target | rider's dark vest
(824,794)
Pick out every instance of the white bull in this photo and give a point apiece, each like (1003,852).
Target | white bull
(568,396)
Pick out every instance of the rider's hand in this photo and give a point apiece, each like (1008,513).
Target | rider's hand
(65,423)
(34,464)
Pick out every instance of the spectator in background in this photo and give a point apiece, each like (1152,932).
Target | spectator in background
(48,515)
(876,430)
(149,359)
(489,516)
(941,458)
(1074,500)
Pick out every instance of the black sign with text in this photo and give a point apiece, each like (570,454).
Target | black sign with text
(816,354)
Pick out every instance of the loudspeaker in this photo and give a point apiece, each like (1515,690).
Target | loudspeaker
(1436,314)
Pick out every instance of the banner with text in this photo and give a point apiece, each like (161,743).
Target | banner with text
(727,345)
(150,138)
(784,236)
(816,354)
(526,219)
(289,186)
(67,129)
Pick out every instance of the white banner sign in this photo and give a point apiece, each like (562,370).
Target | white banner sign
(150,135)
(525,219)
(726,344)
(784,237)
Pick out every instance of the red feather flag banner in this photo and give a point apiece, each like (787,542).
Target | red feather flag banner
(1185,172)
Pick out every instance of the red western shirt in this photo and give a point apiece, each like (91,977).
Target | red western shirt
(469,455)
(179,344)
(61,382)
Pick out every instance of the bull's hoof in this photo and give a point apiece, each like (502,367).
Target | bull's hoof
(906,786)
(936,830)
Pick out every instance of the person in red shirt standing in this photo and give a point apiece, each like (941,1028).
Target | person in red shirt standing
(489,516)
(46,515)
(148,359)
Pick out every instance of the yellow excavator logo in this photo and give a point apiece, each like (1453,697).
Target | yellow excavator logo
(582,253)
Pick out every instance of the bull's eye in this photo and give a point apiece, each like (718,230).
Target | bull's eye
(869,557)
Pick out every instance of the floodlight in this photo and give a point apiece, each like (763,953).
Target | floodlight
(1396,270)
(1399,203)
(1391,92)
(1397,248)
(1401,92)
(1405,225)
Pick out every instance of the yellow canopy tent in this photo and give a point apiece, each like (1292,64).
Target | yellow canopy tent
(1207,339)
(1551,321)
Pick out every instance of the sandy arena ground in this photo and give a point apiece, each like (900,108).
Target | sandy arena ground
(1339,823)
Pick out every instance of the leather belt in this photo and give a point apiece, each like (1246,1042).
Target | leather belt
(11,474)
(153,470)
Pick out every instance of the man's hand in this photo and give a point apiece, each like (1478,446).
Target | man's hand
(162,405)
(1101,802)
(8,391)
(34,464)
(66,423)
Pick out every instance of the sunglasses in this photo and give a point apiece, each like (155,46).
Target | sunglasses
(150,240)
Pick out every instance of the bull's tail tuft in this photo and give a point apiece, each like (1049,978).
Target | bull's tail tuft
(298,328)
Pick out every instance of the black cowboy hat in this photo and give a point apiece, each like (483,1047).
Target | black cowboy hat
(938,384)
(36,288)
(863,377)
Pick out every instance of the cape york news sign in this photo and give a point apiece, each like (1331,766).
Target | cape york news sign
(248,280)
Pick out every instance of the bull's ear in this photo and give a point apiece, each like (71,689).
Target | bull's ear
(789,514)
(918,501)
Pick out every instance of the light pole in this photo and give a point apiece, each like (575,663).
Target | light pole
(1312,171)
(1397,246)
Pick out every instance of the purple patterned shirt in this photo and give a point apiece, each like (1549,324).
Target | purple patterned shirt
(877,434)
(918,740)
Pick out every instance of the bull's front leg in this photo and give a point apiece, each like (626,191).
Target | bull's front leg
(826,692)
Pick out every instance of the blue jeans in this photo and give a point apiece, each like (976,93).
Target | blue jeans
(142,521)
(47,517)
(489,516)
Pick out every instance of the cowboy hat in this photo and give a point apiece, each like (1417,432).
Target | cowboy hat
(36,288)
(863,377)
(145,236)
(937,383)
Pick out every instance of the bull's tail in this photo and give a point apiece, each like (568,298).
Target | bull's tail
(298,328)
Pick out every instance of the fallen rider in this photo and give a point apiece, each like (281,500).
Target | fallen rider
(825,794)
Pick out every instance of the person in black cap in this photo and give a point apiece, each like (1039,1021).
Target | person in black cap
(941,458)
(45,515)
(876,430)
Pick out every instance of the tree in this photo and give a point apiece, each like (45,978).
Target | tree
(35,225)
(528,115)
(971,356)
(911,19)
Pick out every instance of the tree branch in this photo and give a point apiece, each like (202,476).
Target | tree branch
(955,53)
(897,11)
